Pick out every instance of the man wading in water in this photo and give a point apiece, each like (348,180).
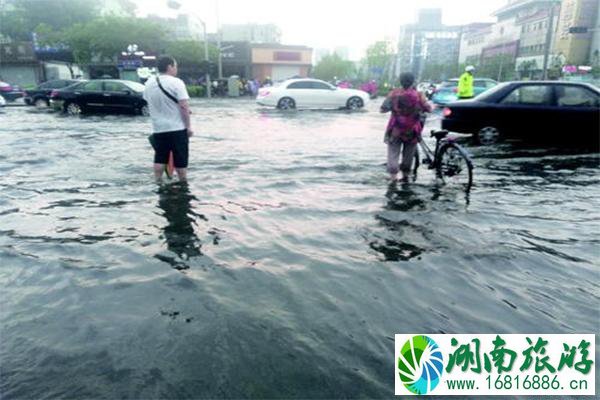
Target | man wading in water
(167,99)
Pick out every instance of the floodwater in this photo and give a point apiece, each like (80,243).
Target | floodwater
(286,265)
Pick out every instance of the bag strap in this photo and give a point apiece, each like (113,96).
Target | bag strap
(169,95)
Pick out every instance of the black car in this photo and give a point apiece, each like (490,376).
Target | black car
(102,95)
(40,96)
(529,110)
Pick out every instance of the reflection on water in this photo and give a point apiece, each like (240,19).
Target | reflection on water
(392,243)
(286,264)
(175,201)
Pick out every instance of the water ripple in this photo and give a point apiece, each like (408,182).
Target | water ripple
(285,266)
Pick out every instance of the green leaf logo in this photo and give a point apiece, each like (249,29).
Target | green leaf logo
(420,364)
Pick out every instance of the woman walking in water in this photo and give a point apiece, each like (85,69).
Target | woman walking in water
(404,128)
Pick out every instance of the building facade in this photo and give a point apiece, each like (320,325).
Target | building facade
(472,41)
(253,33)
(427,42)
(520,36)
(183,27)
(280,62)
(505,33)
(21,63)
(236,59)
(577,48)
(595,47)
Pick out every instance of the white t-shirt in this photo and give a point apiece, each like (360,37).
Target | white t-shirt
(164,112)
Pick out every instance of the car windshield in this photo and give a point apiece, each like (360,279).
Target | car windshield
(447,84)
(491,92)
(138,87)
(75,84)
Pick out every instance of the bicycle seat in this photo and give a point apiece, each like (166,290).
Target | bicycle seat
(439,134)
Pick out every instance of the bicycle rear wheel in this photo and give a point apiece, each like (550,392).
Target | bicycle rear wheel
(454,166)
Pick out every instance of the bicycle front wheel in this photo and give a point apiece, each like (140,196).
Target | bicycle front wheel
(454,167)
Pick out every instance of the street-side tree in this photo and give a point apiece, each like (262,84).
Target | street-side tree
(440,72)
(332,66)
(20,20)
(128,6)
(190,58)
(379,59)
(190,53)
(105,38)
(500,68)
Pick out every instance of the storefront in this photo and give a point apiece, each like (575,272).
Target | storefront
(280,62)
(236,59)
(18,64)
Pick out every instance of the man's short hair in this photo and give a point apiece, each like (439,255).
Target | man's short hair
(407,80)
(164,62)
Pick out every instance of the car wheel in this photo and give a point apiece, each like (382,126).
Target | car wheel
(73,109)
(488,135)
(145,111)
(354,103)
(286,103)
(40,103)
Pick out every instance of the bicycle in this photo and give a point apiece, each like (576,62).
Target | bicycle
(450,161)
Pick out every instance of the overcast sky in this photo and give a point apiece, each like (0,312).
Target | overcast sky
(329,23)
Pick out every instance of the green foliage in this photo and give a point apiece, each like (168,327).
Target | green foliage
(500,68)
(108,36)
(440,72)
(128,6)
(14,25)
(47,36)
(378,57)
(379,54)
(190,53)
(196,91)
(527,66)
(332,66)
(27,15)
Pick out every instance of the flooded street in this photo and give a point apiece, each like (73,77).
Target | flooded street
(286,265)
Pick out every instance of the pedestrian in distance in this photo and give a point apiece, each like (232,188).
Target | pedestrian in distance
(403,132)
(465,84)
(168,103)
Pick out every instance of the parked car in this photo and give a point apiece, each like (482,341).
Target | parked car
(447,91)
(10,92)
(310,93)
(541,110)
(101,95)
(40,96)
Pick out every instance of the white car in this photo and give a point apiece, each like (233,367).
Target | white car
(2,101)
(310,93)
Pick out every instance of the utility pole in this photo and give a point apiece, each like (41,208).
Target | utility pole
(175,5)
(502,56)
(219,61)
(207,66)
(549,33)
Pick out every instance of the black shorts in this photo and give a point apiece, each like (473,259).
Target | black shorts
(177,142)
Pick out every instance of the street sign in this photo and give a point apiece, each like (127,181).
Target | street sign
(578,29)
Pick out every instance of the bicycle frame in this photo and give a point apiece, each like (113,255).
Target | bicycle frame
(433,155)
